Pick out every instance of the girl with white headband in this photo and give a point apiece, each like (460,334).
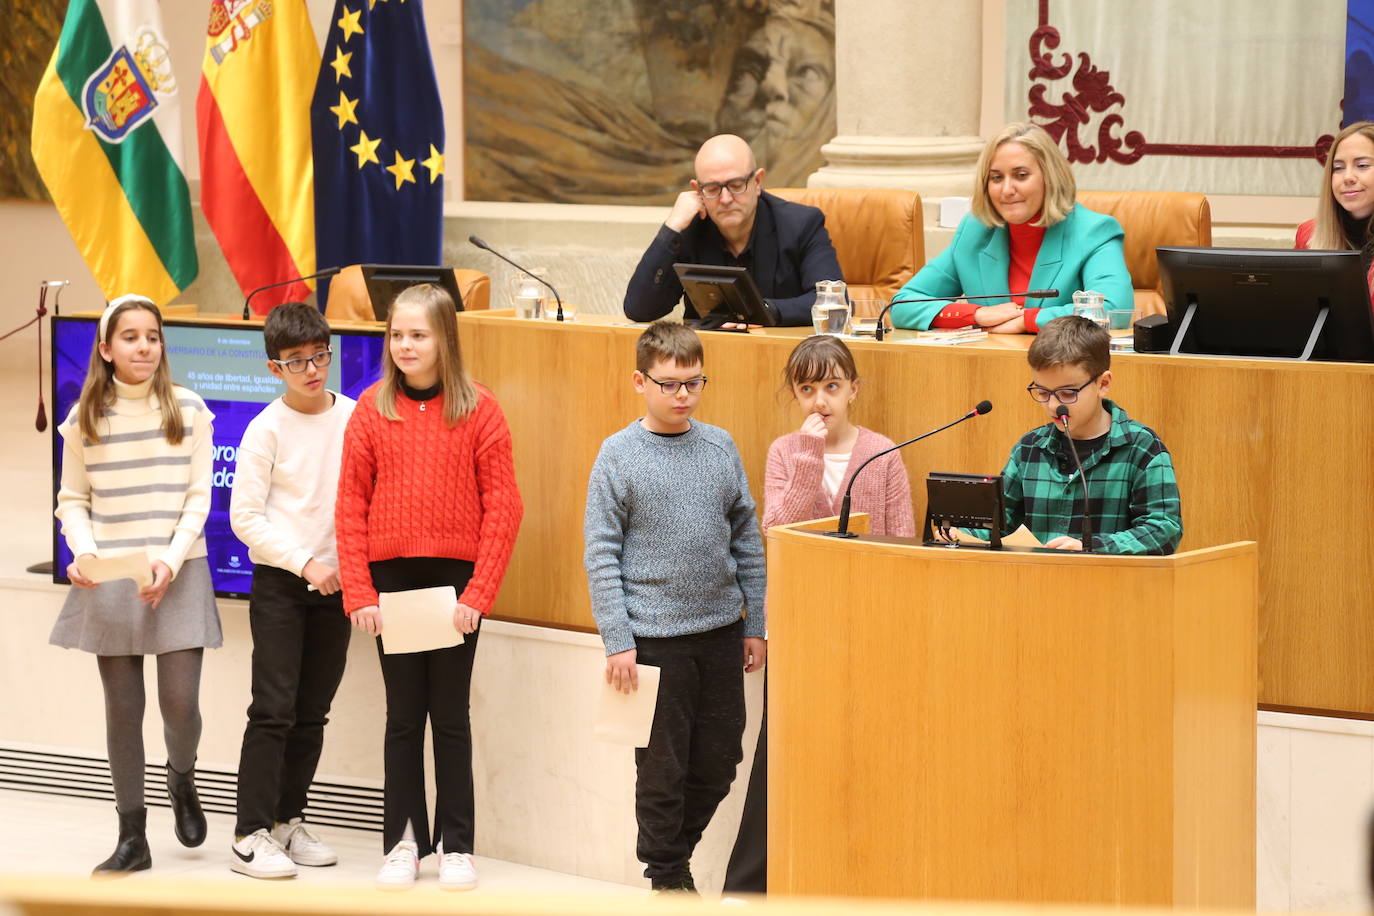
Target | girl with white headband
(136,472)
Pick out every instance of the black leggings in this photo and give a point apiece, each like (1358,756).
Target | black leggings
(178,696)
(429,686)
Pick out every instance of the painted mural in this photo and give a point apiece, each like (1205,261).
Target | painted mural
(572,102)
(27,38)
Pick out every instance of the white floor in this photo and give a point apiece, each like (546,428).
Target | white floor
(67,837)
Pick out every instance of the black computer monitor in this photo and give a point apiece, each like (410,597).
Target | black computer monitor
(1264,302)
(725,292)
(384,283)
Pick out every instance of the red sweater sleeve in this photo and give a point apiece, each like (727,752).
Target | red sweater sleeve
(501,506)
(1032,319)
(357,480)
(955,315)
(1303,239)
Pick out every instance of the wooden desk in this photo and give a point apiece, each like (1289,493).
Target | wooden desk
(1036,727)
(1275,452)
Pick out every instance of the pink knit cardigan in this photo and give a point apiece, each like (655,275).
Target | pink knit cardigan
(793,492)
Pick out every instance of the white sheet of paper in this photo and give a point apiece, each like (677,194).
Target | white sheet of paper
(132,565)
(419,619)
(627,718)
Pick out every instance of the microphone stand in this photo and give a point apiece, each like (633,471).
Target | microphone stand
(487,248)
(329,272)
(1062,415)
(880,333)
(843,530)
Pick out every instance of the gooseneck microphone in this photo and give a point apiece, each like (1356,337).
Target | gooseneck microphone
(1061,414)
(485,247)
(843,530)
(329,272)
(881,332)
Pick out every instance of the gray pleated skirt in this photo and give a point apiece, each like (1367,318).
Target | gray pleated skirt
(110,619)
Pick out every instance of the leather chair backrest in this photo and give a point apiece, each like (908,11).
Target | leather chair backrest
(878,233)
(1151,219)
(349,301)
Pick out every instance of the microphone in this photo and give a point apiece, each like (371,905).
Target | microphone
(881,331)
(485,247)
(1061,414)
(323,273)
(843,530)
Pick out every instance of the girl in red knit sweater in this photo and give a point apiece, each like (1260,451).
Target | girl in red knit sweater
(427,497)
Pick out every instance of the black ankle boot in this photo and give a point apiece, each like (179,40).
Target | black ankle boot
(131,854)
(187,818)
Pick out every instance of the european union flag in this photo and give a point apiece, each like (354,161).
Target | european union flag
(378,132)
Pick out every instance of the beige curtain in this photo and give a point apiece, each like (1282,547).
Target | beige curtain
(1145,78)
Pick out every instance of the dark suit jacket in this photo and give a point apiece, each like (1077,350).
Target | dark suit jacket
(791,251)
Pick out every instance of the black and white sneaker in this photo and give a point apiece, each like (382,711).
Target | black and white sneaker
(259,856)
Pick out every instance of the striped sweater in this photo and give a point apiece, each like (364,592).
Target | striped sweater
(133,489)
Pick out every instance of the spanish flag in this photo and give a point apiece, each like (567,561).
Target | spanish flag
(253,118)
(107,141)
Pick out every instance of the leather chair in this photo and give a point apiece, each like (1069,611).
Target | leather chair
(1151,219)
(349,301)
(879,235)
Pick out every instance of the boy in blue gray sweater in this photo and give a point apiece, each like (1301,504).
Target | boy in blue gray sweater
(673,557)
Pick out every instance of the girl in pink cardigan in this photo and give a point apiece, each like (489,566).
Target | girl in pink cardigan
(805,478)
(809,469)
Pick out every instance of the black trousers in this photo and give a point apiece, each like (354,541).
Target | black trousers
(429,686)
(694,745)
(300,646)
(747,872)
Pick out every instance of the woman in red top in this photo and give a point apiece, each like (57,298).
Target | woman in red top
(1342,222)
(427,497)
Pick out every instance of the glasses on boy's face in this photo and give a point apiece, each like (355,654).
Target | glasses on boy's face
(736,186)
(1064,396)
(693,385)
(297,366)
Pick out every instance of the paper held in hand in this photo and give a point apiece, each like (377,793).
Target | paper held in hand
(627,718)
(132,565)
(419,619)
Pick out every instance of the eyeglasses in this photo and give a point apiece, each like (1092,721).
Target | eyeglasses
(693,385)
(711,189)
(1064,396)
(297,366)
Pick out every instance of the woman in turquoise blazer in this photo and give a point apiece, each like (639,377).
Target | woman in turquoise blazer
(1024,231)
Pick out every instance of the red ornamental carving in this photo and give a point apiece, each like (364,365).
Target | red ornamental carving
(1093,94)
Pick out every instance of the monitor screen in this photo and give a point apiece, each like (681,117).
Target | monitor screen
(1261,302)
(227,367)
(384,282)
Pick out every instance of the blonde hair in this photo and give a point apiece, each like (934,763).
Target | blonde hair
(460,395)
(1060,188)
(98,391)
(1329,232)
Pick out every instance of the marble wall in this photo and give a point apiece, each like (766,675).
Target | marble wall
(1315,802)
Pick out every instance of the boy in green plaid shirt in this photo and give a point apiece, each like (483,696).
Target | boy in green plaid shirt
(1133,494)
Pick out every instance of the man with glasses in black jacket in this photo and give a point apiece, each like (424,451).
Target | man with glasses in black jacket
(728,220)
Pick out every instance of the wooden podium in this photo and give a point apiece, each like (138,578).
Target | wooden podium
(969,725)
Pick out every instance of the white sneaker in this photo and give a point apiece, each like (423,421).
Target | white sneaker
(399,868)
(302,845)
(456,871)
(258,855)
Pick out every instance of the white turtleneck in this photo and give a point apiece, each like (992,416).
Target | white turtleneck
(133,489)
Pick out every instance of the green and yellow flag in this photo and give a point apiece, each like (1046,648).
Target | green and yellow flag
(107,141)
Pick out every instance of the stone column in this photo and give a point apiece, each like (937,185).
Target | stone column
(908,81)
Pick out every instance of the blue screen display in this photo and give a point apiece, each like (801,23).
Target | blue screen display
(227,366)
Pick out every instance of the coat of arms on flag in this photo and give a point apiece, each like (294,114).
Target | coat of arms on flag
(124,90)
